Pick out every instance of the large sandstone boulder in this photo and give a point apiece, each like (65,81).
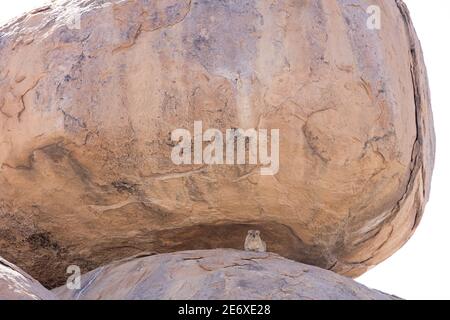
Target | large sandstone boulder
(91,90)
(216,274)
(15,284)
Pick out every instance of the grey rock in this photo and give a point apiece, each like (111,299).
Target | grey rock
(15,284)
(216,274)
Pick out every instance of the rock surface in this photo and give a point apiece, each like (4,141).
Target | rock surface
(15,284)
(87,106)
(219,275)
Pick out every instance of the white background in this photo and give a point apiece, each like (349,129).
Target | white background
(421,269)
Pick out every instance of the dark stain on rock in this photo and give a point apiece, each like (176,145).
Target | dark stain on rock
(124,186)
(56,152)
(42,240)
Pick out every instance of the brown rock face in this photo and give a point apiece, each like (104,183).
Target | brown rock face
(15,284)
(216,275)
(86,114)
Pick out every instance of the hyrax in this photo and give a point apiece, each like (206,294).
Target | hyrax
(253,242)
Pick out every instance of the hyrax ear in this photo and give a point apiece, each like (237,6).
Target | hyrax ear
(258,233)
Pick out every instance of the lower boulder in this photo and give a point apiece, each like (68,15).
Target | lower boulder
(216,274)
(15,284)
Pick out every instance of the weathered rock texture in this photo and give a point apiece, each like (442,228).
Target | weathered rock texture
(86,176)
(15,284)
(216,274)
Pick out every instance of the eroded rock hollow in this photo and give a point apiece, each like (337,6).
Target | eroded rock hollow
(90,92)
